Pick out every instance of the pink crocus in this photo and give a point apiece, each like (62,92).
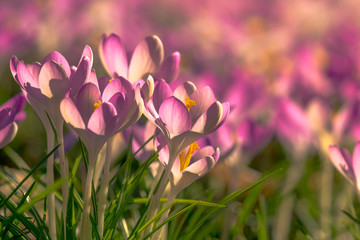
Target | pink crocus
(147,58)
(45,85)
(96,115)
(192,163)
(11,113)
(185,115)
(348,166)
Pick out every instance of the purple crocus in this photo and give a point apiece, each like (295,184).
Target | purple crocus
(192,163)
(348,166)
(147,58)
(45,85)
(11,113)
(185,115)
(96,115)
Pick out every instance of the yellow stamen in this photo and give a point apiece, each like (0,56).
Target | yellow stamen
(185,161)
(111,80)
(189,103)
(97,104)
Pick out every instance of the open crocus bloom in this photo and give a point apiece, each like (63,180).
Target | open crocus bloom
(347,165)
(192,163)
(147,59)
(11,113)
(96,115)
(185,115)
(45,85)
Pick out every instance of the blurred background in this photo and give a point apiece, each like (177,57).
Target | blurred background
(290,70)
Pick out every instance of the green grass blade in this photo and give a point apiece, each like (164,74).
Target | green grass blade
(188,208)
(156,217)
(15,228)
(228,199)
(42,195)
(27,176)
(12,217)
(179,201)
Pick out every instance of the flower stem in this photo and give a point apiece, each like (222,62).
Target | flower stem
(86,229)
(103,192)
(155,200)
(50,181)
(64,169)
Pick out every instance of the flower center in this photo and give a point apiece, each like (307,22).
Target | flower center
(189,103)
(97,104)
(185,157)
(111,80)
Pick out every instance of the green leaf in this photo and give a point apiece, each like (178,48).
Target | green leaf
(357,221)
(228,199)
(188,208)
(179,201)
(42,195)
(27,176)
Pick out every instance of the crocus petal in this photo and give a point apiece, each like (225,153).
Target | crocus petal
(169,70)
(7,115)
(53,80)
(147,88)
(17,102)
(13,65)
(7,134)
(25,76)
(146,59)
(60,60)
(20,117)
(71,114)
(118,100)
(185,90)
(93,79)
(113,55)
(175,115)
(342,161)
(34,69)
(119,84)
(356,164)
(209,120)
(201,166)
(87,52)
(203,98)
(135,111)
(88,95)
(81,74)
(102,121)
(162,91)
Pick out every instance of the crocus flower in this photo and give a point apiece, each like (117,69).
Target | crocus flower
(293,126)
(96,115)
(44,85)
(348,166)
(147,58)
(192,163)
(185,115)
(11,113)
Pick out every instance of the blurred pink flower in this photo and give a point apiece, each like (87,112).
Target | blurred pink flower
(348,166)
